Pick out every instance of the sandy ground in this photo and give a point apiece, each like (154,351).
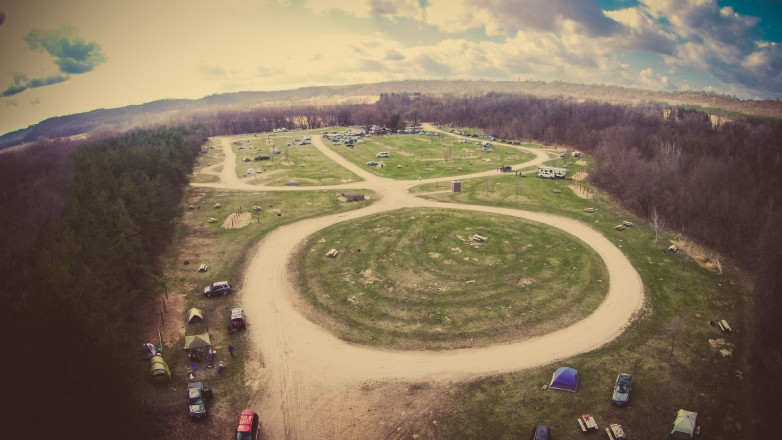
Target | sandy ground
(236,220)
(312,385)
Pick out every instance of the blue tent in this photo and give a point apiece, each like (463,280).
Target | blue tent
(565,379)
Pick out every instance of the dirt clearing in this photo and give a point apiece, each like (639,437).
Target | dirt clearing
(236,220)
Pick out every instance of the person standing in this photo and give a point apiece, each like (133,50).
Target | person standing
(231,350)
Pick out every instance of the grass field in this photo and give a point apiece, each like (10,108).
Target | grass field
(414,279)
(289,161)
(414,156)
(212,154)
(678,360)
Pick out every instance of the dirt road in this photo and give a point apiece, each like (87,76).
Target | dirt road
(317,386)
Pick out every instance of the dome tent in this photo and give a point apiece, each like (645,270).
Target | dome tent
(565,379)
(683,426)
(195,315)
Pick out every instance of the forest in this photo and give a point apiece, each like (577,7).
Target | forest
(89,220)
(89,224)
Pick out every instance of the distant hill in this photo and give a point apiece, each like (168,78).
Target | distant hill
(179,110)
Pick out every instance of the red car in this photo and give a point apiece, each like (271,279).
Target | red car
(248,426)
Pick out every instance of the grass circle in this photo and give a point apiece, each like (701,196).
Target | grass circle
(421,279)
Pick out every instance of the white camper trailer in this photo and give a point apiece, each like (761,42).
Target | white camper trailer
(551,172)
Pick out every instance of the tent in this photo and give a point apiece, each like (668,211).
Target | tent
(197,341)
(565,379)
(158,369)
(195,315)
(149,350)
(683,426)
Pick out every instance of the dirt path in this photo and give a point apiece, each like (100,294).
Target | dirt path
(314,380)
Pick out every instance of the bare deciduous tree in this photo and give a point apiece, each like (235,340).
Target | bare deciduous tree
(658,223)
(447,154)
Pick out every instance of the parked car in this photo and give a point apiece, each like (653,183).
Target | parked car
(624,384)
(371,163)
(238,320)
(248,425)
(195,399)
(260,158)
(384,154)
(506,168)
(541,433)
(218,288)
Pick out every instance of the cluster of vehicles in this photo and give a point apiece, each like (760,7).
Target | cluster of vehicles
(347,137)
(248,425)
(482,135)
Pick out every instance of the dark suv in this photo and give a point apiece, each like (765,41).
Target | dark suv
(218,288)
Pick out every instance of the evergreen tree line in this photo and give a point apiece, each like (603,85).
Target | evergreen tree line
(72,330)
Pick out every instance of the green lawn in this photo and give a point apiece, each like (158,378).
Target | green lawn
(672,350)
(414,279)
(289,161)
(414,156)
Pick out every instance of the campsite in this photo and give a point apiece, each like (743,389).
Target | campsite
(423,249)
(447,302)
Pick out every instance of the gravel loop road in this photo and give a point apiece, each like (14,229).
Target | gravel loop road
(308,370)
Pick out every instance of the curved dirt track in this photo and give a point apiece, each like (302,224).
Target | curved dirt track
(309,372)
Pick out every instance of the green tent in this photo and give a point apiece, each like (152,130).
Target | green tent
(683,427)
(158,369)
(194,316)
(197,341)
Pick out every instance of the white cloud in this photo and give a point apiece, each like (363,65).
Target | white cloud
(649,79)
(640,32)
(368,8)
(719,42)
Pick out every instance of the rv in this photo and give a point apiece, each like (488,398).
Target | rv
(551,172)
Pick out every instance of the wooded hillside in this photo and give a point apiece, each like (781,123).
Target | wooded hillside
(185,111)
(93,220)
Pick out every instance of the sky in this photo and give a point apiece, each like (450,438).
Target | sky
(60,57)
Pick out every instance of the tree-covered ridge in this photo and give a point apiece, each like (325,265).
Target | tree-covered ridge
(86,273)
